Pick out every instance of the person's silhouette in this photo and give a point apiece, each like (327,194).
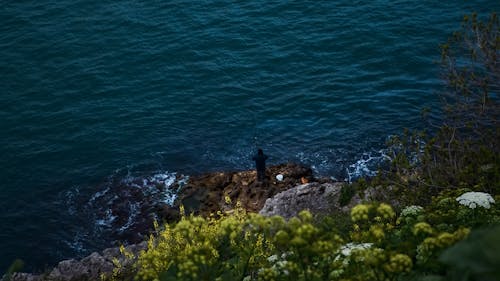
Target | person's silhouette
(260,165)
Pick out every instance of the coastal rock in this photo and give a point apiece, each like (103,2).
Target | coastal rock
(315,197)
(208,193)
(376,194)
(19,276)
(89,268)
(322,197)
(124,207)
(134,205)
(70,270)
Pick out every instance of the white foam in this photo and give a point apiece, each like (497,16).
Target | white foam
(170,197)
(98,194)
(319,162)
(107,220)
(133,208)
(182,181)
(166,179)
(170,194)
(367,165)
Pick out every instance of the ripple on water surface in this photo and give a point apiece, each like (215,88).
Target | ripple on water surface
(89,87)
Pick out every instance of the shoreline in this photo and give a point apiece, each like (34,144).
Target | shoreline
(201,195)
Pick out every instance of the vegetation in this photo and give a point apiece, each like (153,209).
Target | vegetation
(463,149)
(346,193)
(379,245)
(16,266)
(446,184)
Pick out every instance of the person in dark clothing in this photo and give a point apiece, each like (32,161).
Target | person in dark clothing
(260,165)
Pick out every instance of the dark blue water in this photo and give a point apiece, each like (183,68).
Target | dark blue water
(91,90)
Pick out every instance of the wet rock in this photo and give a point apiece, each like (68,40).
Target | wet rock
(207,193)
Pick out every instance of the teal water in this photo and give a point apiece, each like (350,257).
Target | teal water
(93,90)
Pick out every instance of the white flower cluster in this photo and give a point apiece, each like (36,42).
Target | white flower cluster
(279,264)
(272,259)
(344,253)
(412,210)
(349,247)
(474,199)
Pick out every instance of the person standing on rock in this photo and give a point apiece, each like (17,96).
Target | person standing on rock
(260,165)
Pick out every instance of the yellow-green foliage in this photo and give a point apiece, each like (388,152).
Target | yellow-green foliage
(234,247)
(381,245)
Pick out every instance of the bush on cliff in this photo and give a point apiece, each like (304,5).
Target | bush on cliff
(463,149)
(380,244)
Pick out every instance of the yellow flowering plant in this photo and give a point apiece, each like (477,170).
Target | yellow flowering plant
(381,245)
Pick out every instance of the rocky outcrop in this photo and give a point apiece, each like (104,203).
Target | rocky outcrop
(201,195)
(134,204)
(207,193)
(315,197)
(289,189)
(321,198)
(89,268)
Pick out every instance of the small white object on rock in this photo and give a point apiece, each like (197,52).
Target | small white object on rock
(279,177)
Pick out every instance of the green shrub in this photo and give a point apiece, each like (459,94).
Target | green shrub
(476,258)
(16,266)
(379,244)
(346,193)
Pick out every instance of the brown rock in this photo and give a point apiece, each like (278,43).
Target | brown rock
(206,194)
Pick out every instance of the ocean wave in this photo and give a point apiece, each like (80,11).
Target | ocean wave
(367,165)
(122,208)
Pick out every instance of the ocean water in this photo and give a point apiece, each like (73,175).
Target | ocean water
(93,92)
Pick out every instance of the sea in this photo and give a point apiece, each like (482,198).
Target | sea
(95,93)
